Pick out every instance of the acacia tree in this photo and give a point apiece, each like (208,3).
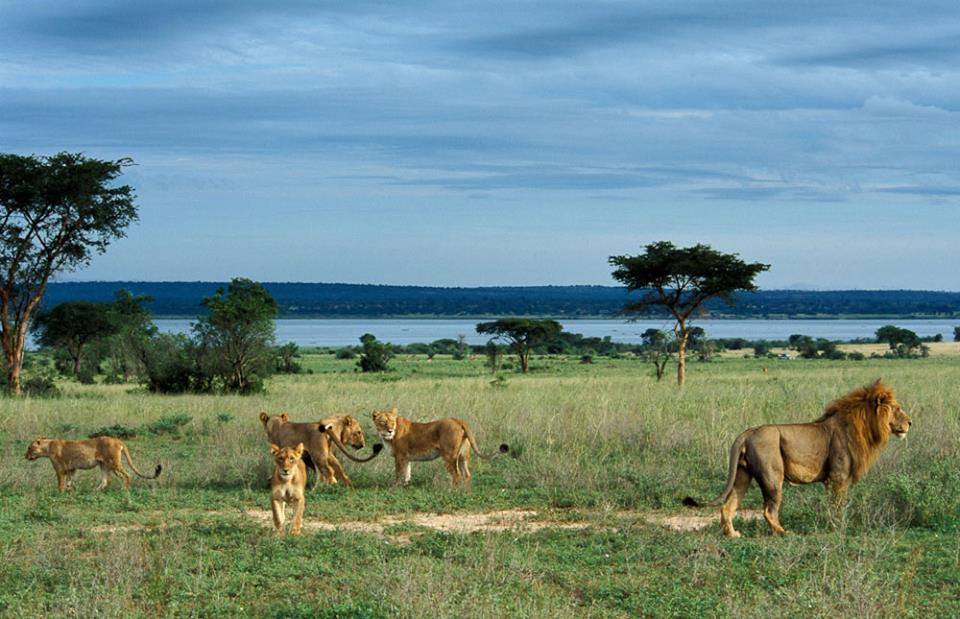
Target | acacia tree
(55,213)
(239,333)
(522,334)
(681,280)
(73,325)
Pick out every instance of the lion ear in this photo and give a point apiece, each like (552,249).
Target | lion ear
(264,417)
(284,418)
(299,449)
(274,449)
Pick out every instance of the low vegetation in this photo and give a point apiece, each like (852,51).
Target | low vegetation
(579,521)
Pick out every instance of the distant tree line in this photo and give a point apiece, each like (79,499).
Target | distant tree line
(357,300)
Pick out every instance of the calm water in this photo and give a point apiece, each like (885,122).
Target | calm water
(342,332)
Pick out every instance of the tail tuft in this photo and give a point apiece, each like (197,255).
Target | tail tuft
(156,473)
(690,502)
(504,448)
(377,448)
(322,428)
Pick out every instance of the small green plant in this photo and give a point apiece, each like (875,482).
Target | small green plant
(169,424)
(224,417)
(499,381)
(117,430)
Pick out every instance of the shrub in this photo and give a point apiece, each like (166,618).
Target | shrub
(169,424)
(346,353)
(117,430)
(375,355)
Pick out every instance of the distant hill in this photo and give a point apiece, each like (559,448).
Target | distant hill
(362,300)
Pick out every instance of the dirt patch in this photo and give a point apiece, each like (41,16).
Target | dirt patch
(522,521)
(519,520)
(698,523)
(497,521)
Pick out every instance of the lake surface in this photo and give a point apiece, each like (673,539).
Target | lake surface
(343,332)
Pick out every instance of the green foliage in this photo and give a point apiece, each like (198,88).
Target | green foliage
(903,343)
(117,430)
(169,424)
(73,326)
(375,355)
(347,352)
(761,348)
(58,211)
(820,348)
(494,356)
(238,335)
(681,280)
(41,384)
(956,334)
(171,365)
(522,334)
(287,355)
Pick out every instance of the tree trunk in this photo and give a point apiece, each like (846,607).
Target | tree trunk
(681,353)
(524,361)
(13,374)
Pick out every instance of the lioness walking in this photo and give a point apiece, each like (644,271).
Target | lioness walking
(68,455)
(287,485)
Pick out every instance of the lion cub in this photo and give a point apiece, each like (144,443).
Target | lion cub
(67,456)
(287,485)
(448,438)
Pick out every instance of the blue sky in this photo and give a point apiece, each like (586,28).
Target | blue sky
(446,143)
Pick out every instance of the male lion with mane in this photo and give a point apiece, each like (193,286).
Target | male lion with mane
(836,449)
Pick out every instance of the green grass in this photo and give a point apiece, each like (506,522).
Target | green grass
(601,444)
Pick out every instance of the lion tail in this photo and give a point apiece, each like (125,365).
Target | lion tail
(377,448)
(156,473)
(504,448)
(736,451)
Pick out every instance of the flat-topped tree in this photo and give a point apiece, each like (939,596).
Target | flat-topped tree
(55,214)
(522,334)
(681,280)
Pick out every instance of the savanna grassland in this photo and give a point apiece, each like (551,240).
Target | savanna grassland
(601,456)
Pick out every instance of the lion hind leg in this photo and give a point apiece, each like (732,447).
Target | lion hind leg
(338,471)
(104,477)
(740,485)
(453,467)
(772,490)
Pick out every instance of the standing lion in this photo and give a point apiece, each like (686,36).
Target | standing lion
(836,449)
(67,456)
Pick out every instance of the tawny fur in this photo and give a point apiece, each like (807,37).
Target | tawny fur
(450,439)
(287,486)
(317,442)
(68,456)
(836,449)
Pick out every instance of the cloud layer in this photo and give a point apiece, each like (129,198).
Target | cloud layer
(353,141)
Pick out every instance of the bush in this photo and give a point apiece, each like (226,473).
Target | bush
(171,365)
(375,356)
(346,353)
(169,424)
(117,430)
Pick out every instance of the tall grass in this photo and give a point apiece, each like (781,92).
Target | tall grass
(602,439)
